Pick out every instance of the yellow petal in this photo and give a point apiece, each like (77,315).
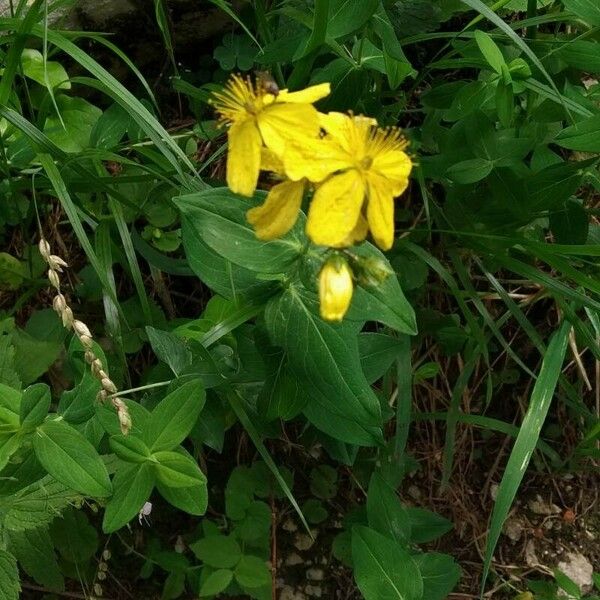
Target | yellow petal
(279,123)
(278,214)
(269,161)
(335,209)
(344,128)
(314,159)
(243,157)
(395,166)
(309,95)
(380,211)
(359,233)
(335,289)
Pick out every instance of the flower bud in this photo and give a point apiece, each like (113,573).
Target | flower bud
(67,317)
(59,303)
(335,289)
(108,385)
(44,248)
(53,278)
(56,263)
(81,328)
(371,271)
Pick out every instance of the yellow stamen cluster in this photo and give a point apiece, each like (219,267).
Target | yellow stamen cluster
(59,303)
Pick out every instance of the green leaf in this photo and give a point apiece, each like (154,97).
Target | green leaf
(426,526)
(216,583)
(67,455)
(132,486)
(384,570)
(10,585)
(170,348)
(567,584)
(174,417)
(571,224)
(74,536)
(8,373)
(34,550)
(385,512)
(582,55)
(176,470)
(470,171)
(12,272)
(325,357)
(192,500)
(79,118)
(588,10)
(129,448)
(377,354)
(53,74)
(256,523)
(346,16)
(526,441)
(252,572)
(490,51)
(35,404)
(583,136)
(440,574)
(218,218)
(219,551)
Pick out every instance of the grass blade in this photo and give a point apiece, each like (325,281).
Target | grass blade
(526,441)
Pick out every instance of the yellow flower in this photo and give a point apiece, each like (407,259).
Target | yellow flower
(359,169)
(335,289)
(258,115)
(279,212)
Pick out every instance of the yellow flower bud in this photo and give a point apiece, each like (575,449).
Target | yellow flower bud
(335,289)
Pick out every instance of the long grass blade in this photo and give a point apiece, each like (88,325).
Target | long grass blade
(541,398)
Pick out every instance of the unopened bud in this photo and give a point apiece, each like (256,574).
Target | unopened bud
(44,248)
(59,303)
(371,272)
(53,278)
(67,318)
(101,396)
(106,554)
(89,357)
(86,341)
(101,575)
(108,385)
(98,589)
(335,288)
(81,328)
(56,262)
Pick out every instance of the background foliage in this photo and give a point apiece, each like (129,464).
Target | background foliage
(214,338)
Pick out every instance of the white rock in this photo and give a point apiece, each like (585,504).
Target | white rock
(293,559)
(579,569)
(288,593)
(315,574)
(513,528)
(314,591)
(290,526)
(540,507)
(303,541)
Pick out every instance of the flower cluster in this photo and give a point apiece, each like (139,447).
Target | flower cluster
(354,168)
(108,389)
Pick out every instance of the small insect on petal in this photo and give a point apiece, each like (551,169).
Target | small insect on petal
(145,512)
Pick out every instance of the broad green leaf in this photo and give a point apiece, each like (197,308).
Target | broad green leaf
(541,397)
(377,354)
(192,500)
(346,16)
(470,171)
(8,372)
(74,536)
(490,51)
(252,572)
(34,550)
(79,118)
(218,218)
(583,136)
(219,551)
(324,357)
(383,569)
(385,512)
(588,10)
(132,486)
(170,348)
(52,74)
(571,224)
(129,448)
(174,417)
(176,470)
(256,523)
(10,585)
(582,55)
(216,583)
(109,420)
(440,574)
(35,404)
(67,455)
(426,526)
